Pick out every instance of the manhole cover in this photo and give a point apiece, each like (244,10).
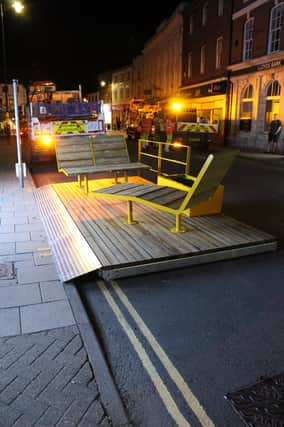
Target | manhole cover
(261,404)
(7,271)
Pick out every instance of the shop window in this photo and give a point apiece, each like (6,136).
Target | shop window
(272,103)
(246,112)
(276,21)
(248,39)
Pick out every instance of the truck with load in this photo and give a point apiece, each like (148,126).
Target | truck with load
(53,114)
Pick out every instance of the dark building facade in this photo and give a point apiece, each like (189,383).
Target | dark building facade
(206,55)
(257,72)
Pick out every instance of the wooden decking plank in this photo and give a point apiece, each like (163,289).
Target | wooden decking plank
(168,221)
(145,237)
(142,234)
(254,232)
(93,236)
(100,228)
(102,251)
(221,232)
(114,228)
(159,232)
(119,224)
(235,233)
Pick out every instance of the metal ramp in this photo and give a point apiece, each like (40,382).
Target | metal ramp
(73,255)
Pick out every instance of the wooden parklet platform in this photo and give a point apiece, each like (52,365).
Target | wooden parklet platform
(115,249)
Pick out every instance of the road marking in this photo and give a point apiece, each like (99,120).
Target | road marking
(165,395)
(188,395)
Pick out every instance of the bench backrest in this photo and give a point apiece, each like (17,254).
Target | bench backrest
(209,178)
(73,151)
(110,149)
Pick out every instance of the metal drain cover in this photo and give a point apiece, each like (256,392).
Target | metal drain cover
(7,271)
(261,404)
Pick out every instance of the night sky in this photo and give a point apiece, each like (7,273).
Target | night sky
(71,42)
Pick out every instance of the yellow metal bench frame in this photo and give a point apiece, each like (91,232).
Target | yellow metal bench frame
(168,198)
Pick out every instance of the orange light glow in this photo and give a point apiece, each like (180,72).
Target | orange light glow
(46,139)
(177,144)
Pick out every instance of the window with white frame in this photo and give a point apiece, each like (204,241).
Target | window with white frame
(272,102)
(276,21)
(202,59)
(248,39)
(219,49)
(205,14)
(220,7)
(246,108)
(191,24)
(189,65)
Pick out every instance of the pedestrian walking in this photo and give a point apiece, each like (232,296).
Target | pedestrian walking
(274,134)
(146,128)
(170,125)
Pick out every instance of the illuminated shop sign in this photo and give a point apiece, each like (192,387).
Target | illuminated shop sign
(260,67)
(216,88)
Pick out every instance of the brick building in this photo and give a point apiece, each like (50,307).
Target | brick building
(257,71)
(205,86)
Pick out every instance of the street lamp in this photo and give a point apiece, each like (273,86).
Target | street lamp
(176,106)
(18,7)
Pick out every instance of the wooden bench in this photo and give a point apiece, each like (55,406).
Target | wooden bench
(170,199)
(84,155)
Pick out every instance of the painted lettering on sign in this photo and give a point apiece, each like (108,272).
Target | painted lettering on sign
(268,65)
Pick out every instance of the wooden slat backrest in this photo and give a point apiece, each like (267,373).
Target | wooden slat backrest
(110,149)
(73,151)
(210,176)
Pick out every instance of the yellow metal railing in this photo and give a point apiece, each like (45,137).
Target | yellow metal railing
(161,155)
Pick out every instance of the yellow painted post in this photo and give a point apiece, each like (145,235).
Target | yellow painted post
(125,176)
(160,154)
(115,178)
(139,149)
(188,150)
(178,228)
(130,219)
(79,180)
(86,184)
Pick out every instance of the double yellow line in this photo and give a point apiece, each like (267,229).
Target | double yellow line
(161,388)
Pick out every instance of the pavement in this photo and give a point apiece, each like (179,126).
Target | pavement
(52,368)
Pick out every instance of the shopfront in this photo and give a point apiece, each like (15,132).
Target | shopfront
(209,100)
(256,98)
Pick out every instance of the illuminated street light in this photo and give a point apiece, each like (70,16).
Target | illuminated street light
(177,106)
(103,83)
(18,7)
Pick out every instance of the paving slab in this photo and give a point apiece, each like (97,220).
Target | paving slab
(37,273)
(31,246)
(9,322)
(44,316)
(7,248)
(52,291)
(36,226)
(14,296)
(15,237)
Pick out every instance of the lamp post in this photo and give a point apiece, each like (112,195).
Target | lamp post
(18,7)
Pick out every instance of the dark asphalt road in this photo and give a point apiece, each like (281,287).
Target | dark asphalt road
(220,325)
